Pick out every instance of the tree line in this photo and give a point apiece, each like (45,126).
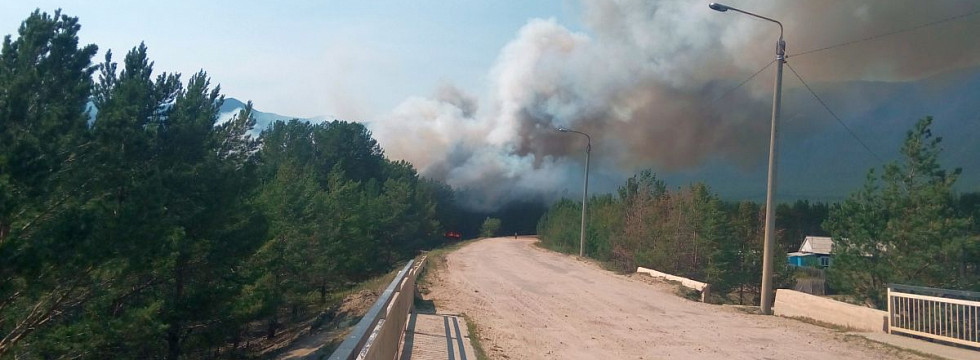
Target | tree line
(688,231)
(906,226)
(145,228)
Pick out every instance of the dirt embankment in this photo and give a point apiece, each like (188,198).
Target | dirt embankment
(309,336)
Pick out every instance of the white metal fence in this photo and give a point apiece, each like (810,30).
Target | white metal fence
(945,315)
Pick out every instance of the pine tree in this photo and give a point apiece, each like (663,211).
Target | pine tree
(290,203)
(45,77)
(901,227)
(489,227)
(128,205)
(214,227)
(644,199)
(747,226)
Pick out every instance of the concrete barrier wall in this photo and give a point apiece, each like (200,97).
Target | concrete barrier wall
(704,288)
(791,303)
(387,335)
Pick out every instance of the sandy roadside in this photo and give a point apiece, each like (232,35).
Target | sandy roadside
(531,303)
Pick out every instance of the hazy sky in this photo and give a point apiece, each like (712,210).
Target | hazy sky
(470,91)
(354,59)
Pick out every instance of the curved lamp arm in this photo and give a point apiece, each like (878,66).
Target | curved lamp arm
(780,49)
(587,137)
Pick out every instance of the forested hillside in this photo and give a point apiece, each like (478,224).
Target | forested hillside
(154,232)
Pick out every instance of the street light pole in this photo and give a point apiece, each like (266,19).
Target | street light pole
(585,192)
(765,303)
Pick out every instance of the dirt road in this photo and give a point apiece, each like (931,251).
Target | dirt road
(530,303)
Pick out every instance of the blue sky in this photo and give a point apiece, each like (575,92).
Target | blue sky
(354,59)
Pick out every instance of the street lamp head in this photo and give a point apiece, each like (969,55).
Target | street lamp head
(718,7)
(562,129)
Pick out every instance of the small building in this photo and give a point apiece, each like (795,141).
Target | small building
(814,252)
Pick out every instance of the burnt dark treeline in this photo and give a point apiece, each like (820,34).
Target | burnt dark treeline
(151,231)
(515,217)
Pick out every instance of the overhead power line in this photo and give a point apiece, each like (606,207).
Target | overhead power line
(729,91)
(873,37)
(839,121)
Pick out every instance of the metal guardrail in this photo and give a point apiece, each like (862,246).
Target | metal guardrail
(378,333)
(946,315)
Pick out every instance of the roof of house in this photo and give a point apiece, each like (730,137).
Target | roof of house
(817,245)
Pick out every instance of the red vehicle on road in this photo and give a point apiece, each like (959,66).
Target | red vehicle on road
(453,235)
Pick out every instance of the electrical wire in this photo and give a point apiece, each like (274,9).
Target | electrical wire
(839,121)
(873,37)
(729,91)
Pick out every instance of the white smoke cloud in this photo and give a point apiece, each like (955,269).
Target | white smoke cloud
(641,82)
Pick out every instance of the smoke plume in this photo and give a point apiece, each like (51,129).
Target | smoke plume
(643,80)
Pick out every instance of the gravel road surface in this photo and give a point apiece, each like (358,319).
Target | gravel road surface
(531,303)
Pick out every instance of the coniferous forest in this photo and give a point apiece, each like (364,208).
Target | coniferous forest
(143,228)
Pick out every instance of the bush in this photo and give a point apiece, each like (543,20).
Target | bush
(490,227)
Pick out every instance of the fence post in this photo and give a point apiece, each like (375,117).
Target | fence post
(890,314)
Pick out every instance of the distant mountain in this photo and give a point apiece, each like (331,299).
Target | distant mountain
(820,161)
(230,108)
(263,120)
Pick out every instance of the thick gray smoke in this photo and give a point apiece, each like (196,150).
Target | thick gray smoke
(642,81)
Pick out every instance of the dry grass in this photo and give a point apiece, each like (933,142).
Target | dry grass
(890,351)
(475,337)
(746,309)
(835,327)
(847,334)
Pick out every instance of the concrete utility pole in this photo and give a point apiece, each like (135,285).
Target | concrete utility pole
(765,304)
(585,192)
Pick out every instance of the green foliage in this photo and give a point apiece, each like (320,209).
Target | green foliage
(559,226)
(606,217)
(490,227)
(689,232)
(155,232)
(45,79)
(903,227)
